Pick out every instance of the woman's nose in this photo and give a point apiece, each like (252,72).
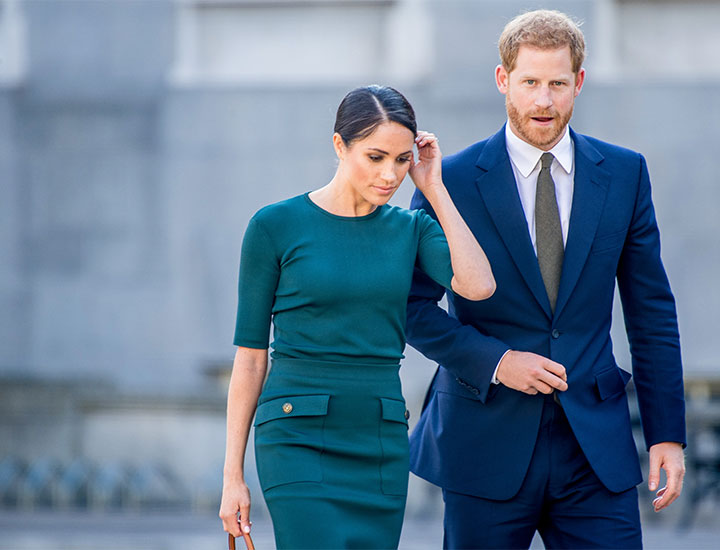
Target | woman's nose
(389,175)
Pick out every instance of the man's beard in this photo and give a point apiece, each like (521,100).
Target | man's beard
(539,137)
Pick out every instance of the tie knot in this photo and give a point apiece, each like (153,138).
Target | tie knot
(546,160)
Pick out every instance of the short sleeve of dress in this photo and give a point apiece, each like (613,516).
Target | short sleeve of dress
(433,256)
(257,283)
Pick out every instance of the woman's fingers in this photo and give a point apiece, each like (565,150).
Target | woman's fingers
(244,518)
(235,510)
(428,146)
(426,170)
(425,138)
(230,522)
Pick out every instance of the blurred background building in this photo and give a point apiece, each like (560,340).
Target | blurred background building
(137,137)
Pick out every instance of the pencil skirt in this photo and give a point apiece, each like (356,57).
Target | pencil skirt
(331,449)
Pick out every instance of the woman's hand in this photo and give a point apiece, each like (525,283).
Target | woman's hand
(426,173)
(235,498)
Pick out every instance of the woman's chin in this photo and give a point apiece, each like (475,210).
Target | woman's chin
(382,196)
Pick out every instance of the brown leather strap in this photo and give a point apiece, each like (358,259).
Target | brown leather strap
(248,542)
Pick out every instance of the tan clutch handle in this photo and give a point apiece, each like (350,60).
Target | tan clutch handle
(248,542)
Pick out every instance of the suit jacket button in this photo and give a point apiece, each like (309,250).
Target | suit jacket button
(555,333)
(287,408)
(407,414)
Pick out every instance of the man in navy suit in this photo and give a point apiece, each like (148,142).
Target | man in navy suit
(526,424)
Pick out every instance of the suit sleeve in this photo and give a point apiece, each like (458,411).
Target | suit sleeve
(651,324)
(462,349)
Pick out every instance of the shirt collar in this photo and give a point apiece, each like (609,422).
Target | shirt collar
(525,156)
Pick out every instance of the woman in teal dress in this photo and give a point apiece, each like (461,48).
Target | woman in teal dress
(332,270)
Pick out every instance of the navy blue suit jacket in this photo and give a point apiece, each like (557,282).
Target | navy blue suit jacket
(477,438)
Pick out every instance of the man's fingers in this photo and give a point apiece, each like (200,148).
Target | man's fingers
(553,381)
(555,368)
(542,387)
(665,497)
(558,383)
(654,473)
(659,502)
(663,502)
(666,456)
(531,373)
(668,494)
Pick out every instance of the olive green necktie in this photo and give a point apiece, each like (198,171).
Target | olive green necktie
(548,232)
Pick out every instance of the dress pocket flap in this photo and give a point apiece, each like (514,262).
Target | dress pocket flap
(296,405)
(394,410)
(612,381)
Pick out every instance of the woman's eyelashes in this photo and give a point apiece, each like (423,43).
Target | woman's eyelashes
(379,158)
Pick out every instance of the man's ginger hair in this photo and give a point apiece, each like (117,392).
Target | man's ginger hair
(545,30)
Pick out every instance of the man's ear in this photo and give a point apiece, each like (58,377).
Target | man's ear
(501,79)
(339,145)
(579,81)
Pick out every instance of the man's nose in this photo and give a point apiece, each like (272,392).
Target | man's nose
(543,98)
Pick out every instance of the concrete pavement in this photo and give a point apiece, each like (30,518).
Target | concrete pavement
(40,530)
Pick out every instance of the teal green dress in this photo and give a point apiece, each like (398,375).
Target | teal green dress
(331,424)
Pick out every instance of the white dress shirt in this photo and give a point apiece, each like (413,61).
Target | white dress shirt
(525,161)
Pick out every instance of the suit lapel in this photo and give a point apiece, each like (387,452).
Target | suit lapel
(589,193)
(499,191)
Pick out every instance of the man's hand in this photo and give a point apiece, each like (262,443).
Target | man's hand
(668,456)
(531,373)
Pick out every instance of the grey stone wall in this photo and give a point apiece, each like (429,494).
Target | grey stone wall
(124,194)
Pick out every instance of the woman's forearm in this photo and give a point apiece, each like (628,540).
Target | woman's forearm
(248,375)
(472,275)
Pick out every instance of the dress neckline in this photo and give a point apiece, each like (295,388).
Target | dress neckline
(343,218)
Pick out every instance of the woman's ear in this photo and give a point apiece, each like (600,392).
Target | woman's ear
(339,145)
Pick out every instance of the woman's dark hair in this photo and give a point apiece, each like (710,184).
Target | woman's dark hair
(364,109)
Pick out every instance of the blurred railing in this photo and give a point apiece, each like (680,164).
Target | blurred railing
(37,480)
(703,451)
(83,484)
